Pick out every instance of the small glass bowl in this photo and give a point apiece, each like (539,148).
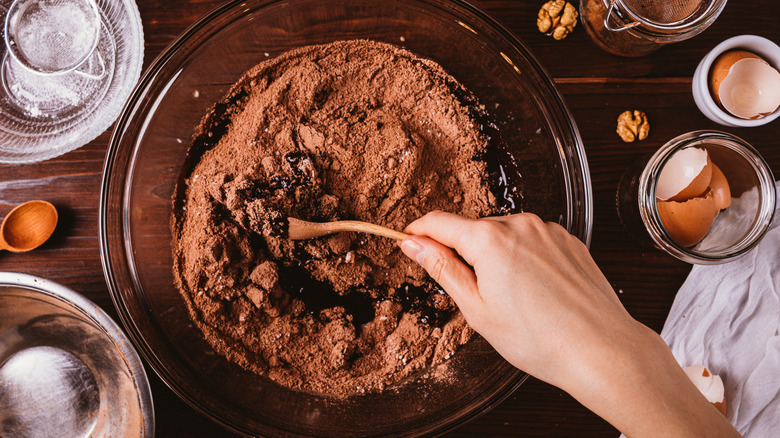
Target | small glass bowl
(44,114)
(736,230)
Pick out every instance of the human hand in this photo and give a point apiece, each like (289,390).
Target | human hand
(534,292)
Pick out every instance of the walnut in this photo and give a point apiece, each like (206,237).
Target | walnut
(557,18)
(633,126)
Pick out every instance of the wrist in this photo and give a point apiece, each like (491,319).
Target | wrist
(636,384)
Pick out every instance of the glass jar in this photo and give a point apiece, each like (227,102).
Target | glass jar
(639,27)
(735,231)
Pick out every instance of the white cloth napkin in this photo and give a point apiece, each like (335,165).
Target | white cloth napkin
(727,317)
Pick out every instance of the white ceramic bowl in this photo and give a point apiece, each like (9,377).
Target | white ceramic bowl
(701,89)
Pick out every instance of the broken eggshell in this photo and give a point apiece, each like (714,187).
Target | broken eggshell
(690,193)
(745,84)
(722,65)
(710,385)
(686,175)
(721,190)
(688,222)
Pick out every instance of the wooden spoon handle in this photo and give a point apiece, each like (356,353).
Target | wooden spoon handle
(299,229)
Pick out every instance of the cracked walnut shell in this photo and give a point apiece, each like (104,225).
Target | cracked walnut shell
(633,125)
(557,18)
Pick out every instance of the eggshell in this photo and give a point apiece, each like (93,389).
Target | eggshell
(745,85)
(720,406)
(686,175)
(751,90)
(722,65)
(688,221)
(710,385)
(720,188)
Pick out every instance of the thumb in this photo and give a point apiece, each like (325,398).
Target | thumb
(443,264)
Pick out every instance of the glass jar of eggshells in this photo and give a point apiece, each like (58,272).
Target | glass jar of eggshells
(704,197)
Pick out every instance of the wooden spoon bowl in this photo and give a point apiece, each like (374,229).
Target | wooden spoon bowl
(28,226)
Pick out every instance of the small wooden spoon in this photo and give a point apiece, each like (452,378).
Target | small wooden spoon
(27,226)
(300,230)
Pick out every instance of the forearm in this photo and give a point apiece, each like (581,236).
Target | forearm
(637,385)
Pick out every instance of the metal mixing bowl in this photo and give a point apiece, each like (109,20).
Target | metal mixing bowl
(66,369)
(541,150)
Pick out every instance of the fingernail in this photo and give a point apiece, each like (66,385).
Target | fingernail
(413,250)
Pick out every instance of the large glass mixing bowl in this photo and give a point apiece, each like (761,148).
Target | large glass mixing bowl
(540,151)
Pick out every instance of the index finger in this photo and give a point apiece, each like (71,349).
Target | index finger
(446,228)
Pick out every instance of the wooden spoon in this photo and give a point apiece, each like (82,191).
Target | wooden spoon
(27,226)
(300,230)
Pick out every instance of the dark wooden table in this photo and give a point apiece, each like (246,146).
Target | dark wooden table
(597,87)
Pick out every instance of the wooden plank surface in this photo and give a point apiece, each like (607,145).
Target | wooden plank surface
(596,86)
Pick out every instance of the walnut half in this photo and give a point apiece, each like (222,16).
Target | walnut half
(633,125)
(557,18)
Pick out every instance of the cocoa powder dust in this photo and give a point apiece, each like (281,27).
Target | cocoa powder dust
(348,130)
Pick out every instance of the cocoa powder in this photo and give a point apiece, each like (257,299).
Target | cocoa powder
(348,130)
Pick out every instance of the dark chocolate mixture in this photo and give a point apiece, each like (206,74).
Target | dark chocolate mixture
(348,130)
